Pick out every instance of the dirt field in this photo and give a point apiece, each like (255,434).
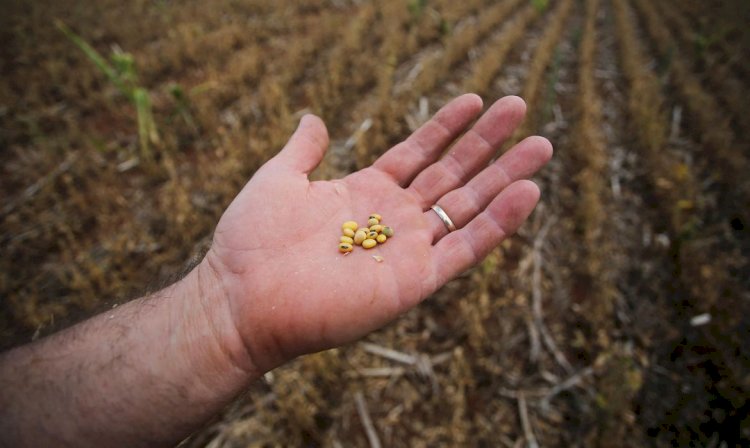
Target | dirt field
(618,316)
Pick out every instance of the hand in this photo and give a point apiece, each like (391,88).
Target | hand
(275,249)
(274,285)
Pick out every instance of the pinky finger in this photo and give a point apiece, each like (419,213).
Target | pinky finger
(462,249)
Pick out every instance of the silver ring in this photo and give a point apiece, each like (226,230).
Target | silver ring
(444,217)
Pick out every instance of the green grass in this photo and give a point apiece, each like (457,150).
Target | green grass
(540,5)
(121,72)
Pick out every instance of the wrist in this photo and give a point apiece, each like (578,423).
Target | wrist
(254,319)
(211,322)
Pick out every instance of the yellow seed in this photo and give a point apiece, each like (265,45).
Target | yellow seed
(360,236)
(350,225)
(376,216)
(377,228)
(387,231)
(369,243)
(381,238)
(345,247)
(347,240)
(349,232)
(373,222)
(372,234)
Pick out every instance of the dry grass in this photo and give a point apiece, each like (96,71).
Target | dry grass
(434,69)
(393,104)
(570,333)
(486,69)
(540,61)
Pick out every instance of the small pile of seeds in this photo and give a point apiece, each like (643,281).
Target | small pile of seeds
(367,237)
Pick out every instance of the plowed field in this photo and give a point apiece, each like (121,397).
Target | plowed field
(618,316)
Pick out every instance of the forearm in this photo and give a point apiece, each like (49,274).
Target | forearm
(145,373)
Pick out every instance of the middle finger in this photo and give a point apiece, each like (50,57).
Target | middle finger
(471,153)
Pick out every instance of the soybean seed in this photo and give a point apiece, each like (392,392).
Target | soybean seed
(381,238)
(376,228)
(350,225)
(376,216)
(349,232)
(369,243)
(373,222)
(372,234)
(347,240)
(360,236)
(345,247)
(387,231)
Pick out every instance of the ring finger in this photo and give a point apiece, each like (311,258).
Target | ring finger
(463,204)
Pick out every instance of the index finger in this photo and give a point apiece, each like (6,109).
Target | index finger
(407,159)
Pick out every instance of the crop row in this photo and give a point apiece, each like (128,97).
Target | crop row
(714,131)
(719,29)
(590,152)
(722,80)
(486,68)
(389,109)
(672,180)
(540,61)
(709,283)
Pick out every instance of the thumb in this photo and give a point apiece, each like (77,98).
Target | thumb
(306,147)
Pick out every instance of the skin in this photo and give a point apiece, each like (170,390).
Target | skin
(150,372)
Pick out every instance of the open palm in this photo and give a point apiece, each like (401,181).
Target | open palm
(275,249)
